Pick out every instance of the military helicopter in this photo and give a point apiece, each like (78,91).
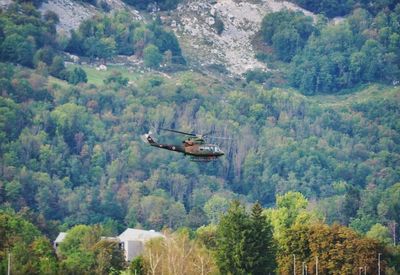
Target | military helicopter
(194,146)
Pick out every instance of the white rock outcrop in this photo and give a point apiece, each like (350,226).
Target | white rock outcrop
(72,13)
(195,25)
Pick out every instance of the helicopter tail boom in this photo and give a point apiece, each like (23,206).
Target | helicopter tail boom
(148,139)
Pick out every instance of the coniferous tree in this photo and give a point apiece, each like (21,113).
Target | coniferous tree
(245,242)
(76,76)
(230,240)
(260,247)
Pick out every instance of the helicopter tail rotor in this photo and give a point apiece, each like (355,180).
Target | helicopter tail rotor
(147,138)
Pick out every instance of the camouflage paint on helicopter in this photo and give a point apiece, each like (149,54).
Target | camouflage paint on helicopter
(194,146)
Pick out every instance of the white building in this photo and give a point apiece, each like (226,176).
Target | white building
(61,236)
(132,241)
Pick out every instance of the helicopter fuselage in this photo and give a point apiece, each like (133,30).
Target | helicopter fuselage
(195,147)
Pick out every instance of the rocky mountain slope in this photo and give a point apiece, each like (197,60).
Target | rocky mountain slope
(72,13)
(194,22)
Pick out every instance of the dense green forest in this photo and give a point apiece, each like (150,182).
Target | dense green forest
(158,4)
(106,36)
(320,151)
(327,58)
(343,7)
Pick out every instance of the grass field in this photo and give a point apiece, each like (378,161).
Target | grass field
(364,93)
(97,77)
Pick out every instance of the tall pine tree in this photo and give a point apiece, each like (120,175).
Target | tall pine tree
(231,241)
(260,247)
(245,242)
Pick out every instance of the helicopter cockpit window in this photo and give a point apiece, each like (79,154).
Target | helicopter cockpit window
(207,148)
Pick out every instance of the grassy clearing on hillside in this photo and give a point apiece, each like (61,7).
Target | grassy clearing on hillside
(56,81)
(97,77)
(364,93)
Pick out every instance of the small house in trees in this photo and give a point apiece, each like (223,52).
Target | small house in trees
(61,236)
(133,241)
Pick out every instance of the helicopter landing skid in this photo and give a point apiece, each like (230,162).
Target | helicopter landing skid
(203,159)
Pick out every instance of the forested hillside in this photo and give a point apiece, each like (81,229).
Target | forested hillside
(315,140)
(326,57)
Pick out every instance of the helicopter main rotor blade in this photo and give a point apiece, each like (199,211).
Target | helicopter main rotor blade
(179,132)
(204,135)
(219,137)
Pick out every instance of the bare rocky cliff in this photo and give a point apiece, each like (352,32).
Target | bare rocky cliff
(195,24)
